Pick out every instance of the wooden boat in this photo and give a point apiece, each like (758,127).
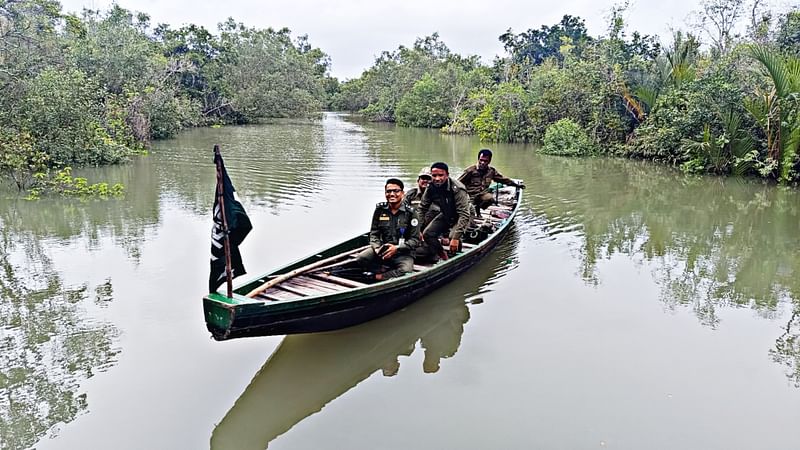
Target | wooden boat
(313,294)
(287,388)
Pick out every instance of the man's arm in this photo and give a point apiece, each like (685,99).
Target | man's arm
(424,206)
(502,179)
(374,232)
(462,208)
(464,177)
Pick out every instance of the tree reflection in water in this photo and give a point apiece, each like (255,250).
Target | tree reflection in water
(787,348)
(712,242)
(47,346)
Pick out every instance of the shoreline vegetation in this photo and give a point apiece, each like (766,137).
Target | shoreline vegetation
(96,88)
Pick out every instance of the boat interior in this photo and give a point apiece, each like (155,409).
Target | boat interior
(341,272)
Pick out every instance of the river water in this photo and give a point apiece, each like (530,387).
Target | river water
(630,307)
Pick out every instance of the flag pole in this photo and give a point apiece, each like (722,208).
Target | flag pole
(221,201)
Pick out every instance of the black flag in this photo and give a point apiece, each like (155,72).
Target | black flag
(238,227)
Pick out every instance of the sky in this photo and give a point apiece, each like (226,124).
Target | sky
(354,32)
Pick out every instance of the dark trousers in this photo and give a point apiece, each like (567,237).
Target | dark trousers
(483,200)
(400,264)
(437,227)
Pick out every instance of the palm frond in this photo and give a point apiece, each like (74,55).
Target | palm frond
(789,151)
(758,106)
(793,67)
(775,65)
(647,95)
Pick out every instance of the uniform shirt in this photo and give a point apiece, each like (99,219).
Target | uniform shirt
(388,228)
(477,182)
(413,197)
(453,200)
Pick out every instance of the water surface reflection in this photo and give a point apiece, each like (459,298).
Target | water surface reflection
(711,242)
(47,344)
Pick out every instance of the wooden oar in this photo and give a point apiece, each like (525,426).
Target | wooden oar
(298,271)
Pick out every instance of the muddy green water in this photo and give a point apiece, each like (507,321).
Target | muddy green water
(630,307)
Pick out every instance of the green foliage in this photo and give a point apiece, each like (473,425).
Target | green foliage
(261,73)
(788,35)
(567,138)
(682,112)
(96,89)
(425,105)
(63,183)
(533,47)
(19,160)
(503,116)
(64,113)
(424,86)
(778,111)
(706,154)
(113,49)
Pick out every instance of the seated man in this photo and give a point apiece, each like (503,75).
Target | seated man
(414,195)
(477,179)
(393,235)
(454,212)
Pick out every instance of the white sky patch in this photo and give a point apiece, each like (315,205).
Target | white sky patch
(354,32)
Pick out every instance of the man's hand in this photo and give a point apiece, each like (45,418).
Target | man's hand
(389,251)
(454,244)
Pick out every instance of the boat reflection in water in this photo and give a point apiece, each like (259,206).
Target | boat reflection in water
(307,371)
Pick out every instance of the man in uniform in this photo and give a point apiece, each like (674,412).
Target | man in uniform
(477,179)
(454,213)
(393,235)
(414,195)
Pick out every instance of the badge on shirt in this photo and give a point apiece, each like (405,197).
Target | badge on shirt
(383,217)
(414,222)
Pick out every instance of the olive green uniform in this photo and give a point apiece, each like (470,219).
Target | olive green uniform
(454,213)
(477,184)
(413,197)
(400,229)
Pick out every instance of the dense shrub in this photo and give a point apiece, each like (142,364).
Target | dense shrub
(567,138)
(504,115)
(64,113)
(426,105)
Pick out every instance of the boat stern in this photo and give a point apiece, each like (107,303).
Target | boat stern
(219,313)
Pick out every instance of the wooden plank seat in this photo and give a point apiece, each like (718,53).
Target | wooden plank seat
(285,286)
(338,280)
(275,294)
(270,298)
(299,286)
(324,285)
